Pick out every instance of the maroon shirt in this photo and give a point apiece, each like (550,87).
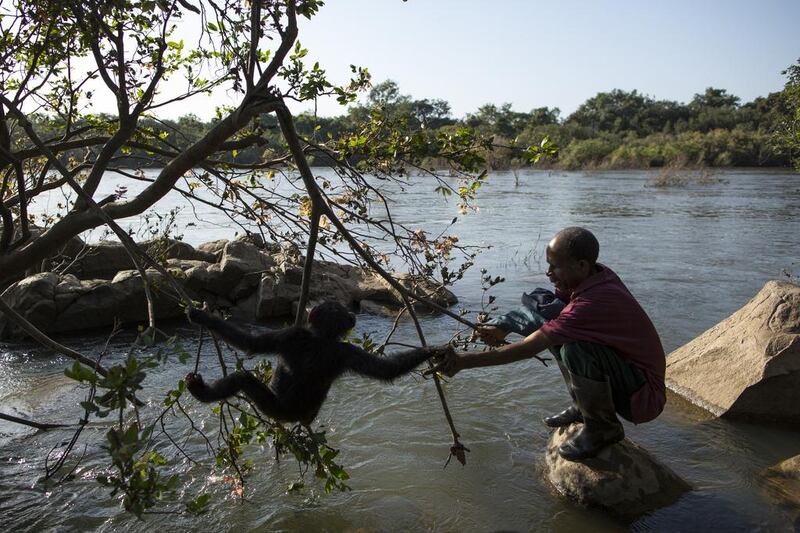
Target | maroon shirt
(602,310)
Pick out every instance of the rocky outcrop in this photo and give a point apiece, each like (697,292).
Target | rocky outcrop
(104,259)
(783,481)
(245,276)
(624,479)
(748,365)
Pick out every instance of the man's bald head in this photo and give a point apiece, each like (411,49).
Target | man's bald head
(578,244)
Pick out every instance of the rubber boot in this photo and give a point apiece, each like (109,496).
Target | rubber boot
(570,414)
(601,427)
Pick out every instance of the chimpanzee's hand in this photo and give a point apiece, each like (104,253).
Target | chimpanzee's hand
(194,383)
(195,315)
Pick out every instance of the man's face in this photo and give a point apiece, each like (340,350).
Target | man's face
(565,272)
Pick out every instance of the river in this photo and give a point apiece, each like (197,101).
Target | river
(691,255)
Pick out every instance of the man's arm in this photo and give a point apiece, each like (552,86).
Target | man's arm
(390,366)
(526,348)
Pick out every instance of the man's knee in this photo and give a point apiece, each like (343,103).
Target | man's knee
(576,357)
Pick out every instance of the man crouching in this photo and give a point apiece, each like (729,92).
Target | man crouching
(605,344)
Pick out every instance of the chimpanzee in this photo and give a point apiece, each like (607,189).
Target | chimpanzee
(309,361)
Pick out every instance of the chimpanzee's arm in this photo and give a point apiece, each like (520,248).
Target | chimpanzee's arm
(231,384)
(389,366)
(268,341)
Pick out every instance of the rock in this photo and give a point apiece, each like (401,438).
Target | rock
(173,249)
(247,280)
(104,259)
(101,261)
(377,289)
(783,481)
(214,248)
(208,278)
(245,309)
(33,298)
(235,277)
(624,479)
(275,297)
(98,303)
(241,257)
(185,264)
(288,255)
(748,365)
(376,308)
(68,290)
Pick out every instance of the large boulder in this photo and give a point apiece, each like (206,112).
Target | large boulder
(34,299)
(214,248)
(57,304)
(783,481)
(748,365)
(377,290)
(97,303)
(624,479)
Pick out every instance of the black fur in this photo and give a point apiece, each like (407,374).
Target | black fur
(309,361)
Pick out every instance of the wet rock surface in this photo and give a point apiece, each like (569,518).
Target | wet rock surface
(624,479)
(748,365)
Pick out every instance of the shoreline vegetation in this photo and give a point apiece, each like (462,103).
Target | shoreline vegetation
(610,131)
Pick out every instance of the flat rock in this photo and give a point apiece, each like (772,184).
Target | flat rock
(624,479)
(748,365)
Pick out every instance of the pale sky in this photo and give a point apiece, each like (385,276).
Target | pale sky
(533,53)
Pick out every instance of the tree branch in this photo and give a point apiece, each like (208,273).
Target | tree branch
(31,423)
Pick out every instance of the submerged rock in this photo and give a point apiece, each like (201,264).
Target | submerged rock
(624,479)
(748,365)
(783,481)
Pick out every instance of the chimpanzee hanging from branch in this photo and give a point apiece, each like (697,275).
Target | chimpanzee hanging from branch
(309,361)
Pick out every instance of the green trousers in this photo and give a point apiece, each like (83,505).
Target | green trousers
(599,362)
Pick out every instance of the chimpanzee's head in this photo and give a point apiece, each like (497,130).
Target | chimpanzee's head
(331,319)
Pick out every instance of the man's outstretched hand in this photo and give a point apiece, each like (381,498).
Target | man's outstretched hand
(448,363)
(491,335)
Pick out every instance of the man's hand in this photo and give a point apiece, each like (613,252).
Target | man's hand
(449,365)
(441,353)
(491,335)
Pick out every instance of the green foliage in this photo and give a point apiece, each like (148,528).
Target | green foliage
(137,475)
(623,130)
(788,134)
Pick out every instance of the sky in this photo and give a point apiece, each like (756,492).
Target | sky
(532,53)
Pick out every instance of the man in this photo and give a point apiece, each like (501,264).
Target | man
(606,347)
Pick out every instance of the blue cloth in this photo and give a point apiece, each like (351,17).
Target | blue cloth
(537,308)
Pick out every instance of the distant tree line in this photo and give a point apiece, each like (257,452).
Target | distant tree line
(616,129)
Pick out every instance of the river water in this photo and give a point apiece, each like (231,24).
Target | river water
(692,255)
